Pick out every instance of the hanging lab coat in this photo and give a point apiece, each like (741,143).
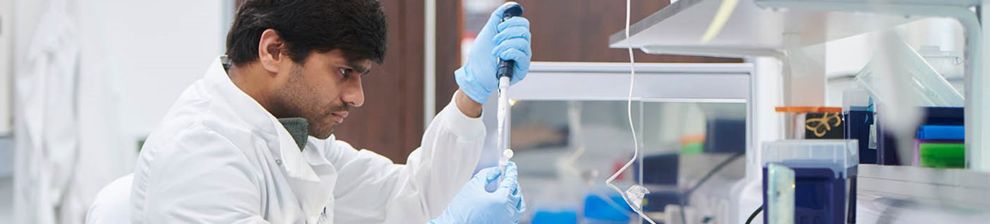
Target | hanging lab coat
(46,138)
(219,157)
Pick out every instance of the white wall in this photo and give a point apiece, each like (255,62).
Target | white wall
(157,48)
(137,56)
(152,48)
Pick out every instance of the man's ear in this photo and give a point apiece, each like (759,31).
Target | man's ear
(271,50)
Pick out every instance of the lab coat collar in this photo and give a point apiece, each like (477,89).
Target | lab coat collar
(261,121)
(311,176)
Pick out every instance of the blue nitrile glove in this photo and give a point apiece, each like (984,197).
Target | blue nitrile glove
(508,40)
(473,204)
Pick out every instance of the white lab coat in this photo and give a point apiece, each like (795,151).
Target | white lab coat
(219,157)
(113,203)
(47,131)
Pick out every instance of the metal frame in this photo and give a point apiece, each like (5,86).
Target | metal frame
(655,82)
(429,61)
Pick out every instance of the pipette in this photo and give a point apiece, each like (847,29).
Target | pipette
(504,74)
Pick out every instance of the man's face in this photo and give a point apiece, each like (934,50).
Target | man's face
(322,89)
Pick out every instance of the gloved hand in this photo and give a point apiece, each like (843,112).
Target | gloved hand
(473,204)
(508,40)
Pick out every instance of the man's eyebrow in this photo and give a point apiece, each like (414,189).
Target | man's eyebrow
(358,67)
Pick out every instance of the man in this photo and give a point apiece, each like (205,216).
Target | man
(223,156)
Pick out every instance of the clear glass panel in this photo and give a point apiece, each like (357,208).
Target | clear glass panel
(567,149)
(561,161)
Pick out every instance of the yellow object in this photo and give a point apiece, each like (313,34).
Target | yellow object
(721,17)
(821,126)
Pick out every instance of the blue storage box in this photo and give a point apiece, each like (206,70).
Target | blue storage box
(941,133)
(824,175)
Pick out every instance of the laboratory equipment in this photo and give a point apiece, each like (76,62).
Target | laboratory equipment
(941,146)
(555,217)
(813,122)
(942,155)
(473,203)
(909,195)
(940,138)
(941,133)
(859,114)
(861,126)
(660,174)
(780,194)
(666,107)
(606,210)
(824,177)
(722,135)
(692,144)
(657,201)
(877,144)
(789,25)
(504,74)
(944,116)
(660,169)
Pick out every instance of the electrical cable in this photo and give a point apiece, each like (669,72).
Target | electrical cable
(636,190)
(753,216)
(704,179)
(712,172)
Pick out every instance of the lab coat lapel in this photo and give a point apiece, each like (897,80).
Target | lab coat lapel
(311,179)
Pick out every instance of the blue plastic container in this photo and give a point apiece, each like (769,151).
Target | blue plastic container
(941,133)
(859,123)
(824,175)
(555,217)
(598,210)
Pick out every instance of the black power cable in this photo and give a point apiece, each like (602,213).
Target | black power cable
(712,172)
(703,179)
(752,216)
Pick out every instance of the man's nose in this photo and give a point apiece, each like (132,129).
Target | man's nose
(353,94)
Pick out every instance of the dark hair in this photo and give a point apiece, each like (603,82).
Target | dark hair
(356,27)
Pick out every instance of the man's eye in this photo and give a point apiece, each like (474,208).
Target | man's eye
(345,72)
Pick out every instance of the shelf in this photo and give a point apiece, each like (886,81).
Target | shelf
(660,82)
(953,186)
(759,25)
